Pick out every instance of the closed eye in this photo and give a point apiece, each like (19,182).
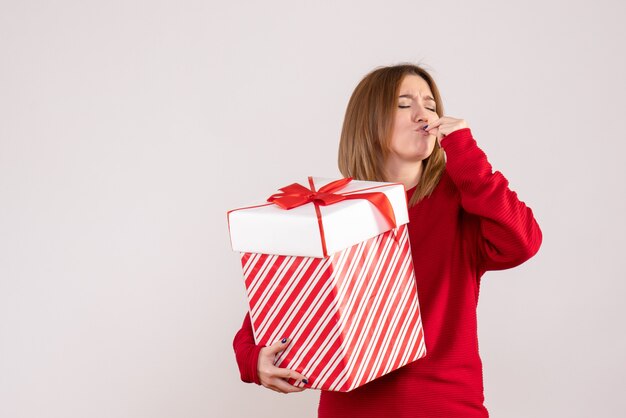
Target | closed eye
(408,106)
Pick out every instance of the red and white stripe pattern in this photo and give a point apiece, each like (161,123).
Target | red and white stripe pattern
(352,317)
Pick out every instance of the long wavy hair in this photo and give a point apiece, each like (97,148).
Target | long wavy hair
(368,125)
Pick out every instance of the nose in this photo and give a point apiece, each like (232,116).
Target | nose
(421,115)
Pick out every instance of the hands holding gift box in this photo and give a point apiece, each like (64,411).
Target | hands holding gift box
(273,377)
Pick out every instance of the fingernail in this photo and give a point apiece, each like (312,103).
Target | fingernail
(425,126)
(305,381)
(284,340)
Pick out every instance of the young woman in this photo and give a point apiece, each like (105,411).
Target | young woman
(464,221)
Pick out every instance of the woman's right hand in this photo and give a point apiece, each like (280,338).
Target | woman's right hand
(273,377)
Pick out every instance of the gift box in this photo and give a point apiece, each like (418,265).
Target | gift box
(330,267)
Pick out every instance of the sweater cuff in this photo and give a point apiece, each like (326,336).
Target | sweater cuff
(457,140)
(249,373)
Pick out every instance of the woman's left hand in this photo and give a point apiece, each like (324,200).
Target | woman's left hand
(445,125)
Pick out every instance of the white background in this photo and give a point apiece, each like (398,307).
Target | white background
(129,128)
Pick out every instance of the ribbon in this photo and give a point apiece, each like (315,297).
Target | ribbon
(296,195)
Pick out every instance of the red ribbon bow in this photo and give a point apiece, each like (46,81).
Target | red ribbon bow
(296,195)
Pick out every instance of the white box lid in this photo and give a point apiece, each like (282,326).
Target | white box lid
(267,228)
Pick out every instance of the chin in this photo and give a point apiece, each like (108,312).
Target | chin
(425,152)
(431,147)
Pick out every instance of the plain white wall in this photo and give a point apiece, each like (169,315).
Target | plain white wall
(129,128)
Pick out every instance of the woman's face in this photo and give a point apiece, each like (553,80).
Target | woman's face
(416,108)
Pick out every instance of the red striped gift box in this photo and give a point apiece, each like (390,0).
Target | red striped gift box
(353,316)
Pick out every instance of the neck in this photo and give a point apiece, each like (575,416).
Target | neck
(405,173)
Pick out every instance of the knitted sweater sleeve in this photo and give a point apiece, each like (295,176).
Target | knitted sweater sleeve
(508,233)
(247,352)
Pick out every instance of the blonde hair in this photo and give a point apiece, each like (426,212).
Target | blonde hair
(368,124)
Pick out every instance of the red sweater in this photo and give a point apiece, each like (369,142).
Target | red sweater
(471,223)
